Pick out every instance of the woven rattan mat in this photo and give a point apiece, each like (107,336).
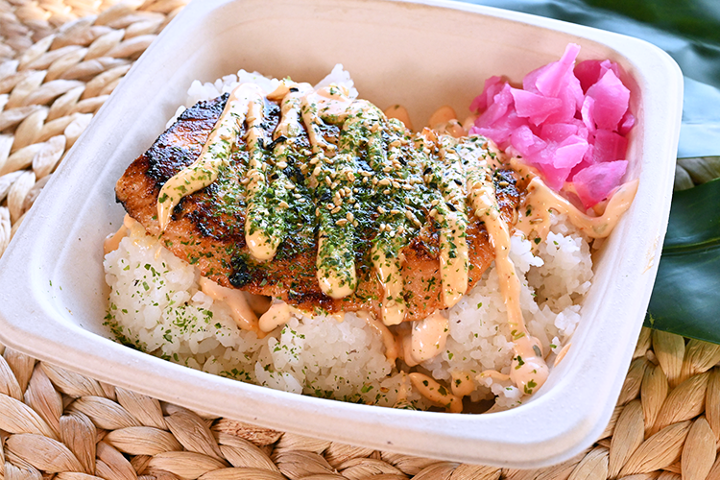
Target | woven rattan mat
(59,61)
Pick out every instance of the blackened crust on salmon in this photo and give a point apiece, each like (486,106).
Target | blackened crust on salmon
(166,157)
(241,274)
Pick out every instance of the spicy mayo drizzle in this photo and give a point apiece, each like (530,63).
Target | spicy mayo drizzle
(541,199)
(454,171)
(428,337)
(216,151)
(240,310)
(528,369)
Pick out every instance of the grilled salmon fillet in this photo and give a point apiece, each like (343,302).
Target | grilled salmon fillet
(207,228)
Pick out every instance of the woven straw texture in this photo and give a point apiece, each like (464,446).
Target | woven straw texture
(59,61)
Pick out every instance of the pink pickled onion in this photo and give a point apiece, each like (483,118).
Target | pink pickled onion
(595,183)
(568,121)
(611,100)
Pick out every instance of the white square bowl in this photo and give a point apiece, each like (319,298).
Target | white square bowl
(422,55)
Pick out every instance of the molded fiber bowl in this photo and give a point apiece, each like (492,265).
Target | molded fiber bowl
(422,55)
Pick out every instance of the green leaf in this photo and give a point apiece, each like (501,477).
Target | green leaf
(688,30)
(685,299)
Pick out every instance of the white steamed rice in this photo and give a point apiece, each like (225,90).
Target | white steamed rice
(156,305)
